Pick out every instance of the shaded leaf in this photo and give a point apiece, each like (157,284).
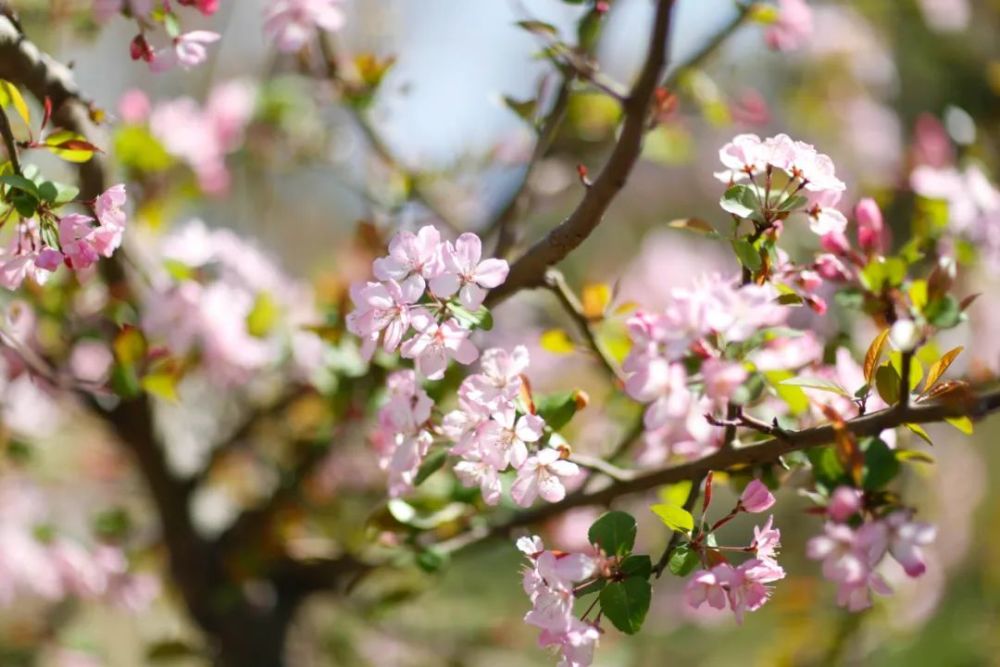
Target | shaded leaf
(625,603)
(874,354)
(614,533)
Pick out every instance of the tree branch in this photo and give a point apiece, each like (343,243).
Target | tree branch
(768,451)
(529,270)
(557,283)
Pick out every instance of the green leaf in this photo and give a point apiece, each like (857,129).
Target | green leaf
(432,560)
(827,468)
(25,204)
(637,566)
(887,383)
(675,494)
(557,409)
(432,463)
(683,560)
(944,313)
(739,200)
(881,465)
(614,533)
(481,319)
(264,315)
(694,225)
(748,255)
(19,182)
(592,587)
(9,94)
(674,516)
(625,603)
(793,203)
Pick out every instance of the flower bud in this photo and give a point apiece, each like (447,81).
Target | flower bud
(836,242)
(844,503)
(904,335)
(871,229)
(756,497)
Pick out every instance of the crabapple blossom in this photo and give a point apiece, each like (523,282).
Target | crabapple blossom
(906,537)
(499,380)
(871,229)
(722,378)
(793,27)
(544,475)
(382,310)
(435,343)
(187,50)
(844,503)
(463,272)
(292,23)
(756,497)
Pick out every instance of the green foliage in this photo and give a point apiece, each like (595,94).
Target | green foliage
(626,602)
(614,532)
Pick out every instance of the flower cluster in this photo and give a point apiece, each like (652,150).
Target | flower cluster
(291,23)
(812,184)
(742,587)
(851,551)
(550,581)
(493,431)
(57,567)
(40,245)
(184,49)
(696,326)
(428,286)
(199,136)
(228,303)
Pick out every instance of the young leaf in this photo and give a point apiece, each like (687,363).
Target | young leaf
(874,354)
(817,383)
(683,560)
(748,255)
(963,424)
(557,409)
(674,516)
(887,383)
(614,533)
(557,341)
(625,603)
(739,200)
(921,432)
(938,368)
(431,465)
(595,298)
(881,465)
(693,225)
(9,94)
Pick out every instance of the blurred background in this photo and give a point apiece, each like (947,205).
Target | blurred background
(879,85)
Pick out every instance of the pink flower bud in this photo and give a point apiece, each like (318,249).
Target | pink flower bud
(871,229)
(836,242)
(756,497)
(831,268)
(844,503)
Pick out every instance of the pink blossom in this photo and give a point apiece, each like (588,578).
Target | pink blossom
(664,385)
(473,470)
(576,643)
(500,379)
(543,475)
(382,310)
(766,540)
(906,537)
(412,257)
(505,442)
(793,27)
(436,344)
(108,209)
(845,502)
(187,50)
(206,7)
(722,378)
(76,240)
(829,267)
(134,106)
(756,497)
(871,229)
(708,586)
(463,272)
(291,23)
(747,585)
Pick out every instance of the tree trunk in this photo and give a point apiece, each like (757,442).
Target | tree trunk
(252,636)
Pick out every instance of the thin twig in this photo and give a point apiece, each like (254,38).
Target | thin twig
(557,283)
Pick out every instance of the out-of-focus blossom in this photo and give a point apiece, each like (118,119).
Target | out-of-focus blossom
(292,23)
(187,50)
(946,15)
(844,503)
(871,229)
(793,27)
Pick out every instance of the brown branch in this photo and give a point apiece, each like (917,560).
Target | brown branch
(529,270)
(9,142)
(766,452)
